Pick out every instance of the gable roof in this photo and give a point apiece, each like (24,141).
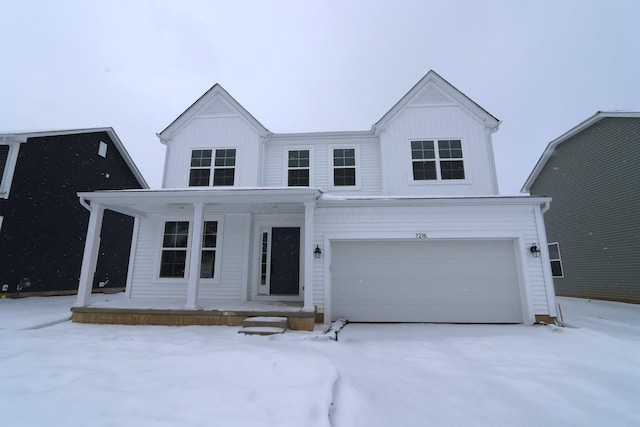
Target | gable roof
(215,101)
(551,147)
(23,136)
(433,89)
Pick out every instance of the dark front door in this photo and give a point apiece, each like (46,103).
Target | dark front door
(285,261)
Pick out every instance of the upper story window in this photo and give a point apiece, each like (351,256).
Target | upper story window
(556,261)
(344,167)
(216,169)
(437,159)
(298,168)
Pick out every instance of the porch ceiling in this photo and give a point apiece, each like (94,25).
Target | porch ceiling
(236,200)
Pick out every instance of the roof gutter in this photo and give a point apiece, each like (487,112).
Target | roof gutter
(84,203)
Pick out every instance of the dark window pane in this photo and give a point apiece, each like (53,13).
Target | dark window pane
(554,251)
(298,178)
(452,169)
(207,264)
(422,150)
(226,157)
(344,176)
(198,177)
(223,176)
(450,149)
(424,171)
(298,159)
(176,234)
(200,158)
(173,263)
(209,234)
(344,157)
(556,269)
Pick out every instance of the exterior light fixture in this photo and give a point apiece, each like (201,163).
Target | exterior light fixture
(317,252)
(535,250)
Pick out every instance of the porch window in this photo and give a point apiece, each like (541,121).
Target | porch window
(437,160)
(209,169)
(174,249)
(344,167)
(264,256)
(209,249)
(298,168)
(556,261)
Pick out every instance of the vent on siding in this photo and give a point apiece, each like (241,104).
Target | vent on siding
(432,95)
(217,107)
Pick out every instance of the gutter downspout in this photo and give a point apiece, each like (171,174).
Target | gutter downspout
(545,207)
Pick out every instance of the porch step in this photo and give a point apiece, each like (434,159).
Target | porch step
(263,325)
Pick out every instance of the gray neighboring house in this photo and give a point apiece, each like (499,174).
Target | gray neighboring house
(592,172)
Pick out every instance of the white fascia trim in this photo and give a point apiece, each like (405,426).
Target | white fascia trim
(548,151)
(10,166)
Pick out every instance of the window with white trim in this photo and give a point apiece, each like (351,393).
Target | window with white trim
(344,167)
(175,240)
(298,168)
(212,167)
(209,250)
(555,259)
(437,160)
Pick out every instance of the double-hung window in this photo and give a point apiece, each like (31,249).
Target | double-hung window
(212,167)
(556,261)
(175,240)
(344,167)
(298,168)
(175,249)
(437,160)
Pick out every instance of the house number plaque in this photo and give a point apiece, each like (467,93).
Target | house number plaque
(421,235)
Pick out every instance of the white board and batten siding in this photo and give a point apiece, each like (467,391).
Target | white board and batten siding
(514,224)
(230,132)
(433,123)
(145,282)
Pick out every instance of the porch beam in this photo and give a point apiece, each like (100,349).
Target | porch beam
(90,256)
(309,210)
(194,257)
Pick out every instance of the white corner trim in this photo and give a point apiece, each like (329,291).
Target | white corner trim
(9,169)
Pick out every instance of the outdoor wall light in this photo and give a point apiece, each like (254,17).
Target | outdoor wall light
(317,252)
(535,250)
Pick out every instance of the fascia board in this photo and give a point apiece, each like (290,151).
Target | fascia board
(167,133)
(471,106)
(548,151)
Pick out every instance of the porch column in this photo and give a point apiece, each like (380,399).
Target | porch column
(90,256)
(194,257)
(309,209)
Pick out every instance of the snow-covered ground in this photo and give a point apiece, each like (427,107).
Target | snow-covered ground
(54,372)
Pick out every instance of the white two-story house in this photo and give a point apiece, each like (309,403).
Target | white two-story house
(398,223)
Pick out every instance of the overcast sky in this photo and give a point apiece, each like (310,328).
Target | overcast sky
(540,66)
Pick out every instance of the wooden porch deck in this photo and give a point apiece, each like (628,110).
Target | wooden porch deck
(171,313)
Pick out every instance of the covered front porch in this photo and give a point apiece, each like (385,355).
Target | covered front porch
(216,241)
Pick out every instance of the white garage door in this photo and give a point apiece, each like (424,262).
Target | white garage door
(453,281)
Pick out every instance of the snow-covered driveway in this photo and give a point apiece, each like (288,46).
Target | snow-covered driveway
(376,375)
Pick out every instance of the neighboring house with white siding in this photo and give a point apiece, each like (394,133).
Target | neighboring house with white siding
(399,223)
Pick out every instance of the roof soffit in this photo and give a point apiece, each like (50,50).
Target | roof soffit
(216,102)
(432,89)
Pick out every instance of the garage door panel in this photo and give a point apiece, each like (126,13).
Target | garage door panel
(425,281)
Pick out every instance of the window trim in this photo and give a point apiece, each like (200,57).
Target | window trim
(9,168)
(356,148)
(559,259)
(219,249)
(212,167)
(437,160)
(286,151)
